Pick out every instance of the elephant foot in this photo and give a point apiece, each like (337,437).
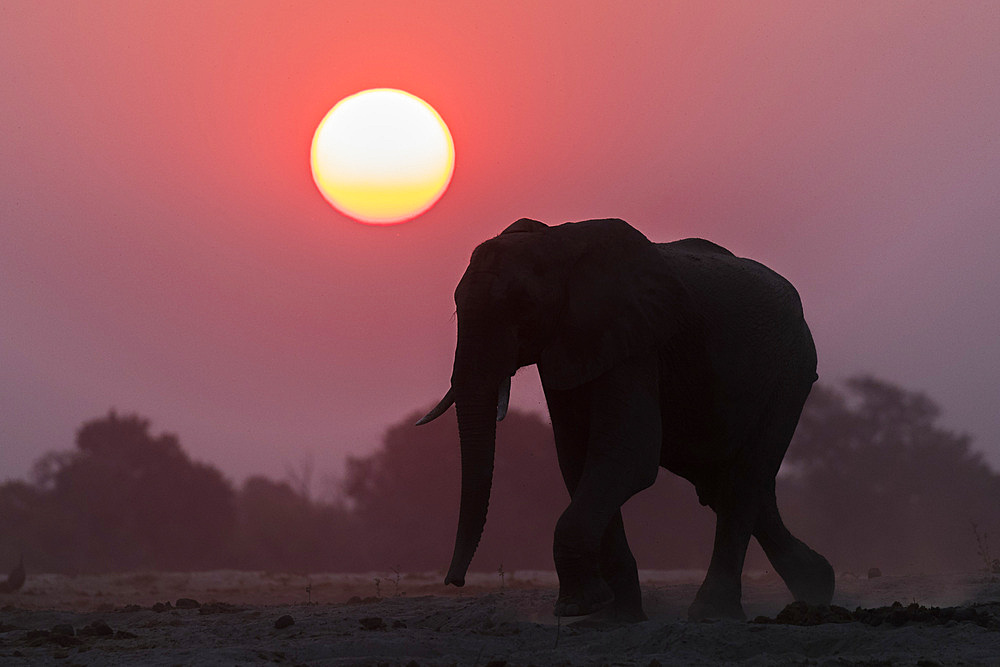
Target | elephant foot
(584,600)
(714,603)
(813,581)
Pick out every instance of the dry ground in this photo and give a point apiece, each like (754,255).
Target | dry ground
(241,618)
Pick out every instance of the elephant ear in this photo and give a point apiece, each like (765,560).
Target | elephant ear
(620,301)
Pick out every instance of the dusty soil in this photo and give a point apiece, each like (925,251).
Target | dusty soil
(229,618)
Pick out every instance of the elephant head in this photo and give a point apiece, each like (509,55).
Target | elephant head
(540,295)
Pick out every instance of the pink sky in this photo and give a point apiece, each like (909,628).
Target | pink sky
(163,249)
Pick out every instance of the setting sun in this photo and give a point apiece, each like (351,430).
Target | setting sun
(382,156)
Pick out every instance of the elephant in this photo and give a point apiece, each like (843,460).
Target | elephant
(680,355)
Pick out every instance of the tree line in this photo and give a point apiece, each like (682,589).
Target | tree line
(871,480)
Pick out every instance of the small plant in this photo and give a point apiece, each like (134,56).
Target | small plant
(309,592)
(378,587)
(395,582)
(500,572)
(991,566)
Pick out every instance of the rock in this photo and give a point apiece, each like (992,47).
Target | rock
(372,623)
(284,621)
(96,629)
(187,603)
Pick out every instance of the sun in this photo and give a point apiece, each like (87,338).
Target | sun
(382,156)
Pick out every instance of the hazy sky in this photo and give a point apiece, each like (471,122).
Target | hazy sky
(163,249)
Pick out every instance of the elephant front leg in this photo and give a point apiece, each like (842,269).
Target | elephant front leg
(618,574)
(576,552)
(619,569)
(596,574)
(612,455)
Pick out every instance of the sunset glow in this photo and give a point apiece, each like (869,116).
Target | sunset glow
(382,156)
(176,246)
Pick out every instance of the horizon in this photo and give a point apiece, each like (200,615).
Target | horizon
(166,252)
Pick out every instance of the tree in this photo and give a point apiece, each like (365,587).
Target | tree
(871,479)
(279,528)
(124,500)
(875,481)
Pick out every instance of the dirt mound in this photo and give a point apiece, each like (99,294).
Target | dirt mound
(896,614)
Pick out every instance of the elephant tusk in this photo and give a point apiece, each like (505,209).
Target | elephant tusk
(503,400)
(439,409)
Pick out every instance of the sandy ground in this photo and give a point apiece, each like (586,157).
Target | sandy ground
(241,618)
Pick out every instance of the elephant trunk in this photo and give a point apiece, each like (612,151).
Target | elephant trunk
(477,432)
(484,359)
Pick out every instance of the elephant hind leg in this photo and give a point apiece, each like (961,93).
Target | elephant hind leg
(720,593)
(807,574)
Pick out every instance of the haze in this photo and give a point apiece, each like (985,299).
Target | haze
(164,250)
